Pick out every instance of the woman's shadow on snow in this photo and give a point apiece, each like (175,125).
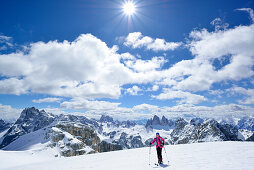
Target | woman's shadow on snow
(162,166)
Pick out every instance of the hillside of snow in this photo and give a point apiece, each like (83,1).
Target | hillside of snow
(205,156)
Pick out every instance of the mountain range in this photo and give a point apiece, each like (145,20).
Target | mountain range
(71,135)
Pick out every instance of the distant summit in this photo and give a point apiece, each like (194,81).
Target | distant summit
(157,123)
(30,120)
(4,125)
(105,119)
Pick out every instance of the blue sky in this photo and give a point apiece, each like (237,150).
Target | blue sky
(170,57)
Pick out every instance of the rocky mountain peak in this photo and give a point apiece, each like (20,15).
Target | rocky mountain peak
(156,120)
(31,119)
(106,118)
(196,121)
(4,125)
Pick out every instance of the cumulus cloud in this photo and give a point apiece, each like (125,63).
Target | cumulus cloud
(86,67)
(248,93)
(219,24)
(155,88)
(4,39)
(186,97)
(48,100)
(133,90)
(145,107)
(9,113)
(84,104)
(146,65)
(200,73)
(137,40)
(5,42)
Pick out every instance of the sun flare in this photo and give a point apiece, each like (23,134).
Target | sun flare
(129,8)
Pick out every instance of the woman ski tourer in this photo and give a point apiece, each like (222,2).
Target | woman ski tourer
(159,145)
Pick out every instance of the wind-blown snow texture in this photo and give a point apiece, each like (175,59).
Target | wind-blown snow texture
(205,156)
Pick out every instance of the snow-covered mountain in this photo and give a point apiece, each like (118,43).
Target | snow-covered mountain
(157,123)
(4,125)
(70,135)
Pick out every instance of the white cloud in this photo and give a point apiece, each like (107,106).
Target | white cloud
(64,69)
(146,65)
(219,111)
(137,40)
(248,93)
(133,90)
(217,93)
(155,88)
(84,104)
(252,82)
(127,56)
(5,42)
(4,38)
(48,100)
(145,106)
(86,67)
(200,73)
(9,113)
(186,97)
(219,24)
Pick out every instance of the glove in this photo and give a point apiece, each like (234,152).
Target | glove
(150,143)
(162,144)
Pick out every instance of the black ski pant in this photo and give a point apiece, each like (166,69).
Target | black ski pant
(159,154)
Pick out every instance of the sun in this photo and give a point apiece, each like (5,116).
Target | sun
(129,8)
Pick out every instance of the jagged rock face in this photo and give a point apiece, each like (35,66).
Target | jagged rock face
(230,132)
(78,119)
(196,121)
(110,122)
(164,121)
(83,133)
(246,123)
(123,140)
(30,120)
(148,141)
(182,133)
(148,123)
(128,124)
(110,134)
(106,147)
(86,136)
(71,139)
(209,130)
(106,119)
(180,123)
(251,138)
(156,120)
(136,142)
(67,144)
(156,123)
(129,141)
(4,125)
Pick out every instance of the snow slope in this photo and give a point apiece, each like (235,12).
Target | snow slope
(205,156)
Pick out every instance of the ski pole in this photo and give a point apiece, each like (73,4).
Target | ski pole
(166,154)
(149,154)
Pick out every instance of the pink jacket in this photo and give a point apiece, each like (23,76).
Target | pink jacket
(159,141)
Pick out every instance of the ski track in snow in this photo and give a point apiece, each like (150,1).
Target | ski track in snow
(203,156)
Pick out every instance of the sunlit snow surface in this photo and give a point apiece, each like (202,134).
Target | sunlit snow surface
(203,156)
